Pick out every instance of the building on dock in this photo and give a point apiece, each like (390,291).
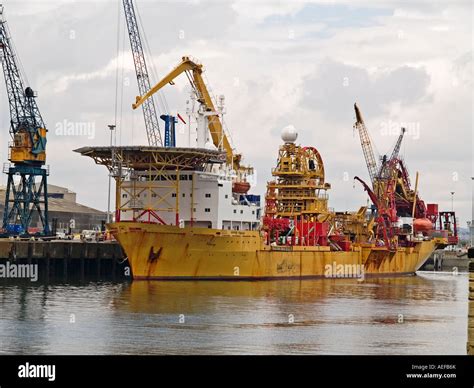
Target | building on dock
(63,207)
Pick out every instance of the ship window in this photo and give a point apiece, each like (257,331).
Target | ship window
(226,196)
(184,195)
(124,195)
(235,211)
(153,195)
(207,210)
(194,209)
(190,176)
(208,195)
(220,185)
(173,195)
(241,212)
(183,177)
(253,211)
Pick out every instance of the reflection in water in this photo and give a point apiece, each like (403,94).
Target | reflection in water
(425,314)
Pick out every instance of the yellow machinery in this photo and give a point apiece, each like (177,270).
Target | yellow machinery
(194,72)
(296,203)
(300,189)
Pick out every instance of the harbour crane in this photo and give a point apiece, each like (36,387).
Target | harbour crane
(143,79)
(194,72)
(27,151)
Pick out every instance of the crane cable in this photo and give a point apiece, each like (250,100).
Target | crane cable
(14,52)
(117,64)
(122,83)
(161,97)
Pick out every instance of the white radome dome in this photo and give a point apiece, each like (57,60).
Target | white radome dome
(289,134)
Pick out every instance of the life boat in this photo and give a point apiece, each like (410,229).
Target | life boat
(240,187)
(422,225)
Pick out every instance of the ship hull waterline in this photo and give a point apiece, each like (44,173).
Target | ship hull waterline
(164,252)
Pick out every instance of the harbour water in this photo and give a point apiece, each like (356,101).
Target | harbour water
(424,314)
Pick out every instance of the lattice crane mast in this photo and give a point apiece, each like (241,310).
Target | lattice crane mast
(366,143)
(149,109)
(27,152)
(398,144)
(394,155)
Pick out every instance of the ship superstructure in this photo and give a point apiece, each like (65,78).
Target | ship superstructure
(176,186)
(201,185)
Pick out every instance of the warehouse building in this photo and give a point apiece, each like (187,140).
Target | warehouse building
(65,212)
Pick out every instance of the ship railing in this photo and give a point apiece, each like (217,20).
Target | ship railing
(278,171)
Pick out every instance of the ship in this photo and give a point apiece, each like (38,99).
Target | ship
(187,213)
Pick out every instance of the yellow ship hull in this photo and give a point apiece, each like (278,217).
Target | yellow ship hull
(168,252)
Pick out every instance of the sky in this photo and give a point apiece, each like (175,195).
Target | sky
(278,63)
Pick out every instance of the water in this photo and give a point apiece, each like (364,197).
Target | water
(426,314)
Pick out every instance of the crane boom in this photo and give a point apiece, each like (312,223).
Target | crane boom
(149,109)
(398,144)
(394,156)
(195,70)
(366,145)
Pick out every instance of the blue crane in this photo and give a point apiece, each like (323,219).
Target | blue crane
(26,195)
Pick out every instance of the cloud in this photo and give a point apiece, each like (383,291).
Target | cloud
(336,86)
(278,63)
(260,10)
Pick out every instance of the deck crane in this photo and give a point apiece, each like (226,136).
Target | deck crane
(149,109)
(194,72)
(398,144)
(390,193)
(396,150)
(27,151)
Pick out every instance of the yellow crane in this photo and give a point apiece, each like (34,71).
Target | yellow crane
(194,72)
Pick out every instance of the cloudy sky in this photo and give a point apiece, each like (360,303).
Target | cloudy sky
(407,63)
